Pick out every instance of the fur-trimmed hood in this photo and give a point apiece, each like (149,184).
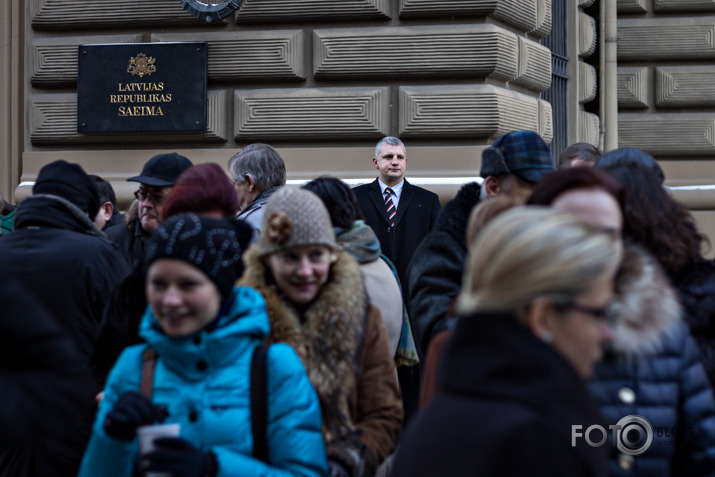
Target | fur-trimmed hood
(327,338)
(131,217)
(645,305)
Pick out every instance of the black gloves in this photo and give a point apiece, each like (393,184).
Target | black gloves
(131,411)
(179,458)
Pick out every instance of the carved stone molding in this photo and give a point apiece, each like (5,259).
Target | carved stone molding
(470,111)
(668,134)
(482,50)
(633,87)
(446,8)
(588,128)
(262,11)
(249,55)
(53,61)
(64,14)
(681,86)
(588,82)
(632,6)
(681,38)
(587,35)
(683,5)
(312,113)
(53,122)
(529,16)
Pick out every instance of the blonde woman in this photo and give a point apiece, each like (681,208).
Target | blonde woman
(531,328)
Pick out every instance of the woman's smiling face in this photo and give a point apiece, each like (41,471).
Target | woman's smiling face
(183,299)
(300,272)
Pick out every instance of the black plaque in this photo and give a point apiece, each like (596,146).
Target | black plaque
(142,87)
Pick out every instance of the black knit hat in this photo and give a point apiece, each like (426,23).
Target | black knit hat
(70,182)
(211,245)
(162,170)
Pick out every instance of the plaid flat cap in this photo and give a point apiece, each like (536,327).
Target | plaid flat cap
(522,153)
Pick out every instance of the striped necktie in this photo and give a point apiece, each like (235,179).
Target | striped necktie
(390,206)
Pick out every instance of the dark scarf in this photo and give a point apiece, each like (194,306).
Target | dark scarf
(359,241)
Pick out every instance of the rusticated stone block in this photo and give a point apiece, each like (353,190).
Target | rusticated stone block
(588,127)
(261,11)
(249,55)
(546,121)
(470,111)
(683,5)
(64,14)
(632,6)
(668,134)
(681,86)
(446,8)
(312,113)
(466,50)
(632,85)
(587,35)
(525,15)
(53,122)
(587,81)
(681,38)
(544,15)
(534,66)
(53,61)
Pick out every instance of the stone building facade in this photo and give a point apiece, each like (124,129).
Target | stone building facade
(323,80)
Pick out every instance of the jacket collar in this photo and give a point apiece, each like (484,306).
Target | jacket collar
(645,305)
(54,211)
(240,327)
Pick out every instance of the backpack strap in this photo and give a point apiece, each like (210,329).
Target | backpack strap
(259,403)
(146,385)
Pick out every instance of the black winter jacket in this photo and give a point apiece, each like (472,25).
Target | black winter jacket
(130,237)
(434,276)
(506,407)
(47,401)
(654,371)
(65,262)
(695,285)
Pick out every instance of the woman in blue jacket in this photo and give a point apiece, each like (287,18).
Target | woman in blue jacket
(204,331)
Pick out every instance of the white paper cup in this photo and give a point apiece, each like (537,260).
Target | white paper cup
(147,435)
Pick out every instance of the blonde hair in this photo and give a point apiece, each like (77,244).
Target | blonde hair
(531,252)
(487,210)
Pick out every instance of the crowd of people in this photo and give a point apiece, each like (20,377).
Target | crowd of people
(554,319)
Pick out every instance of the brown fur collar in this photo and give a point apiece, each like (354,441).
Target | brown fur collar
(646,304)
(132,215)
(329,337)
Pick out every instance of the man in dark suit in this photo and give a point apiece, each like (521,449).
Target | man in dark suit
(401,216)
(414,210)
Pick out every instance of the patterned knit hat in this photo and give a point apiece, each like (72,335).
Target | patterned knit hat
(294,217)
(213,246)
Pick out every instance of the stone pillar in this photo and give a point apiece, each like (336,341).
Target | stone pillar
(12,35)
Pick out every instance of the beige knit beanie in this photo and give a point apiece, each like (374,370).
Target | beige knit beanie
(294,217)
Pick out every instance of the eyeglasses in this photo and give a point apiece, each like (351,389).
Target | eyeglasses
(143,195)
(604,314)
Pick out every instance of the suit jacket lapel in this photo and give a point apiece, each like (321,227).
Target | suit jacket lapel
(405,198)
(379,201)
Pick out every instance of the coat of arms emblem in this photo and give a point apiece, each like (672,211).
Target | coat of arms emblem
(141,65)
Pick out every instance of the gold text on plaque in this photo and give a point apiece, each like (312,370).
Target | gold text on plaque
(141,65)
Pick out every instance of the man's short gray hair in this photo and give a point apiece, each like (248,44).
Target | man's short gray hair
(262,163)
(392,141)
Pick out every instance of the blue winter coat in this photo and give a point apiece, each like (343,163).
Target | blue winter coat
(204,382)
(654,371)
